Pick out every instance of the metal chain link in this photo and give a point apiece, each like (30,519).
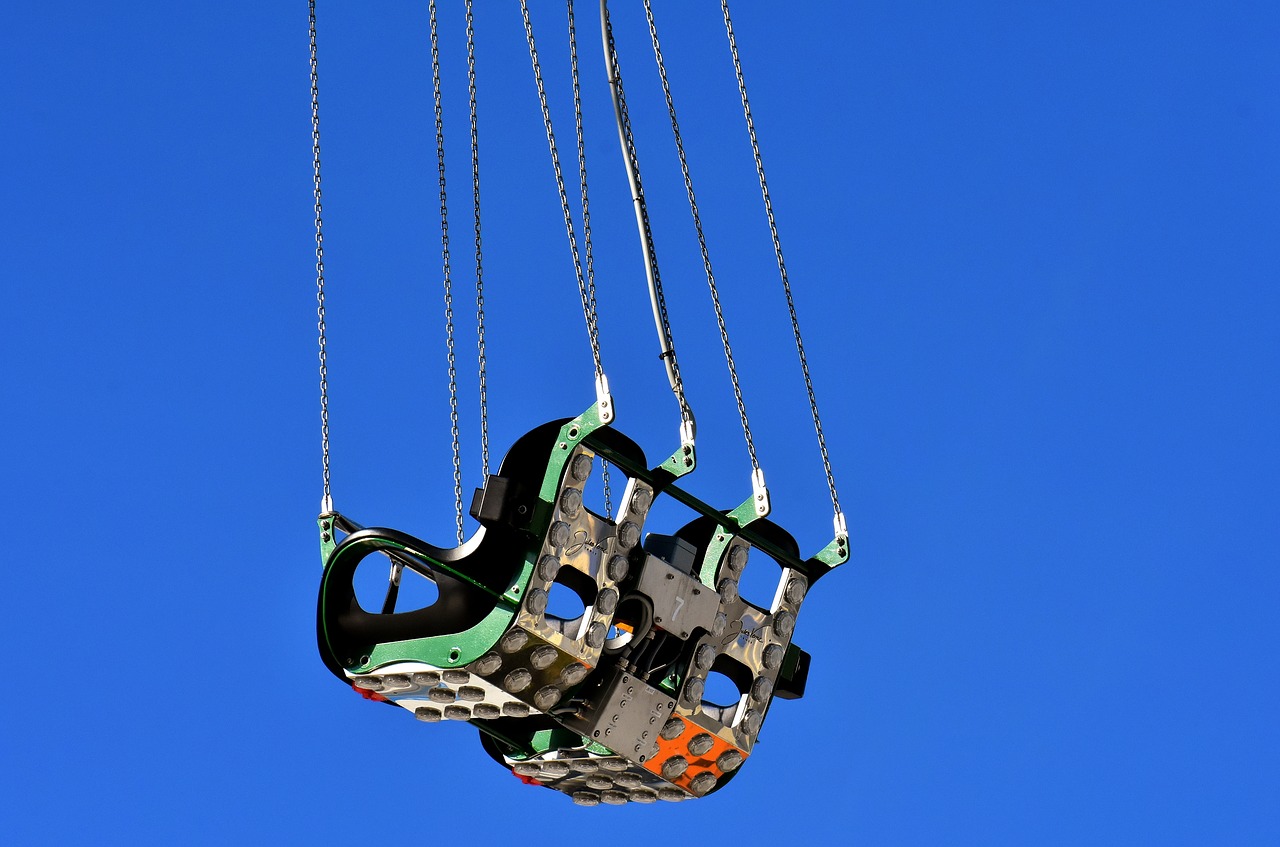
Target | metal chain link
(448,282)
(588,305)
(702,239)
(782,265)
(668,354)
(327,501)
(592,323)
(475,200)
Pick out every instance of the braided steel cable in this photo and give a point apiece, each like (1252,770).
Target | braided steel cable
(632,162)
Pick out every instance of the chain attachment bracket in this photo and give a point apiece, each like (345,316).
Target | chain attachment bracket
(604,400)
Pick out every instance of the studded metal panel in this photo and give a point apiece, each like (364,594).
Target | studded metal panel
(638,740)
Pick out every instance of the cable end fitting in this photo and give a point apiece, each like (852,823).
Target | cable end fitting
(759,493)
(842,530)
(688,431)
(604,400)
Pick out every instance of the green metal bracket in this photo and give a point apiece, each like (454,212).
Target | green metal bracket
(331,523)
(328,539)
(571,435)
(835,553)
(681,462)
(443,651)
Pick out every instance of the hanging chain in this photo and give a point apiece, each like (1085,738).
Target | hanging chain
(782,265)
(658,301)
(702,240)
(326,504)
(475,201)
(588,302)
(586,220)
(590,295)
(448,282)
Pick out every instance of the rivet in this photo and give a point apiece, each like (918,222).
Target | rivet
(618,565)
(772,656)
(704,658)
(556,767)
(513,641)
(573,674)
(729,760)
(674,767)
(640,501)
(607,602)
(628,534)
(700,744)
(485,710)
(488,663)
(543,657)
(548,567)
(546,697)
(517,680)
(702,783)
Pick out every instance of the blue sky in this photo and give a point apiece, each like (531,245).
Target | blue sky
(1035,255)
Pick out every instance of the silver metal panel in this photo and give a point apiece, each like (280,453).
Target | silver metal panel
(626,716)
(680,602)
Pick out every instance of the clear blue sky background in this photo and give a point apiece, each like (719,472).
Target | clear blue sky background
(1035,253)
